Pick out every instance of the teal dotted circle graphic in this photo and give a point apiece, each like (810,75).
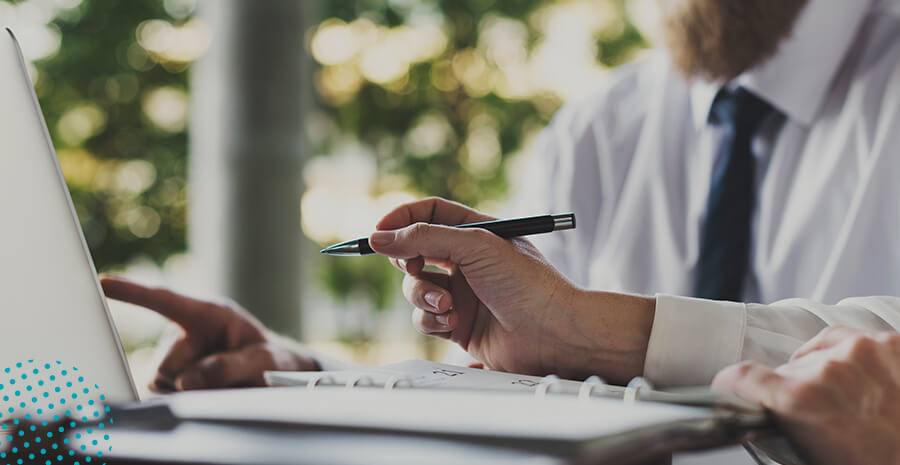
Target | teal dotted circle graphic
(41,405)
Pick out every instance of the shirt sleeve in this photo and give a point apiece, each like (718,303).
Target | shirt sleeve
(692,339)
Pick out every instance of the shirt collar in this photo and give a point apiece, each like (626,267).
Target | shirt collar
(797,78)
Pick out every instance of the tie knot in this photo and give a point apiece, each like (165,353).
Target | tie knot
(739,109)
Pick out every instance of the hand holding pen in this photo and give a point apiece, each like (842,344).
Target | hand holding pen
(502,301)
(506,229)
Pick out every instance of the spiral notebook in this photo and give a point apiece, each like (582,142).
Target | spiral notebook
(572,430)
(423,374)
(730,418)
(433,409)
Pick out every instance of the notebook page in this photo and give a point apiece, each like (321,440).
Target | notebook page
(424,374)
(489,414)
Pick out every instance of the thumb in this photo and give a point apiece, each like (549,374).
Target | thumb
(460,246)
(242,367)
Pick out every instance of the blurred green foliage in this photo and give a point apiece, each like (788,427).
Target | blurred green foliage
(368,276)
(127,169)
(127,210)
(383,114)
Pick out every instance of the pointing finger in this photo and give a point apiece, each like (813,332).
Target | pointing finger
(185,311)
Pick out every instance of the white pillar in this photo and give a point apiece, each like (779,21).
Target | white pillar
(246,152)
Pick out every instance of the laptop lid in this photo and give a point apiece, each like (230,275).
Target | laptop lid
(51,305)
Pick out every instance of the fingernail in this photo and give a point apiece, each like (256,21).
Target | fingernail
(443,320)
(434,299)
(382,238)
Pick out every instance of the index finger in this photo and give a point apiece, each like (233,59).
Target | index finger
(752,381)
(827,338)
(431,210)
(181,309)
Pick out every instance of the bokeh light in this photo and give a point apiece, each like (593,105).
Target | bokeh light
(549,54)
(412,98)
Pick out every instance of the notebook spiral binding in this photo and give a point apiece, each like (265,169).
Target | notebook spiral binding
(588,386)
(548,385)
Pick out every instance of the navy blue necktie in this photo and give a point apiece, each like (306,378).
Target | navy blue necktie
(725,234)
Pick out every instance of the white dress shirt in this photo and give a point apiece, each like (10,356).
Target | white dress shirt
(634,162)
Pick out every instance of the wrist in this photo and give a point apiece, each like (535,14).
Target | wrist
(601,333)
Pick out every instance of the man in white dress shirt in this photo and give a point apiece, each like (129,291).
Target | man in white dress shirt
(756,161)
(635,162)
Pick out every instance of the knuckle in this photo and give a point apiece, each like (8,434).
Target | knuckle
(483,242)
(265,354)
(745,369)
(894,342)
(887,338)
(215,366)
(800,395)
(483,235)
(833,369)
(417,231)
(863,347)
(727,378)
(734,375)
(526,247)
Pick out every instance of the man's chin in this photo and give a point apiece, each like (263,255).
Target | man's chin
(716,40)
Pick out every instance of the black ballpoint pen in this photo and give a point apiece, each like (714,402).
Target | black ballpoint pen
(503,228)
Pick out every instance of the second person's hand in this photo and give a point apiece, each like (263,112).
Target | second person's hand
(835,398)
(221,345)
(501,301)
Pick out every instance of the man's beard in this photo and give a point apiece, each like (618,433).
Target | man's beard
(717,40)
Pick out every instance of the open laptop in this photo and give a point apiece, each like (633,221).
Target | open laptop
(51,305)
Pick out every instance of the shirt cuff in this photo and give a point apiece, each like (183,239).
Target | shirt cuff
(692,339)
